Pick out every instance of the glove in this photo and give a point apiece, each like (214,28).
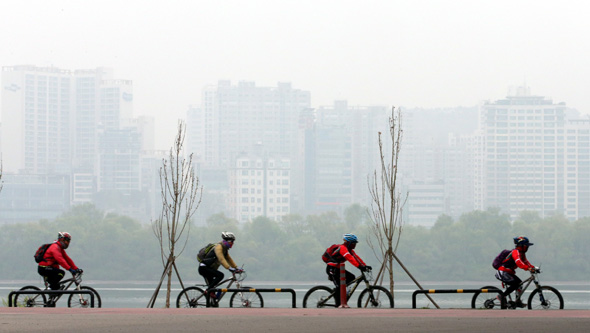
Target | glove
(233,269)
(363,268)
(73,271)
(79,271)
(239,270)
(369,268)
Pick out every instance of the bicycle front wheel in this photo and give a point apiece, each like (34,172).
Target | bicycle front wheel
(375,297)
(487,301)
(192,297)
(545,298)
(83,300)
(246,299)
(319,297)
(29,301)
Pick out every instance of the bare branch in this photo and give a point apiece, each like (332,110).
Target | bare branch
(387,201)
(181,196)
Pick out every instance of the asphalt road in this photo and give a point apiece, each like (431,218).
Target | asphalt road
(290,320)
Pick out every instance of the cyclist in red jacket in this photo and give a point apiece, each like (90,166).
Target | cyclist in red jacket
(339,253)
(517,258)
(54,257)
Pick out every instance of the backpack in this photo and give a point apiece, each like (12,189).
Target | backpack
(500,258)
(41,252)
(329,256)
(204,251)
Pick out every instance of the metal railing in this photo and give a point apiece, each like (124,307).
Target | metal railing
(448,291)
(267,290)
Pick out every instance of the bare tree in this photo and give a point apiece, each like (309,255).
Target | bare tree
(181,197)
(388,203)
(387,200)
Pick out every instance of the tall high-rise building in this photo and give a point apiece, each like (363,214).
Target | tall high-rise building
(533,157)
(236,119)
(75,123)
(233,121)
(342,155)
(260,187)
(51,117)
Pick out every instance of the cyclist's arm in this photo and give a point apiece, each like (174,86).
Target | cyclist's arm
(521,261)
(356,256)
(348,256)
(69,261)
(221,257)
(56,252)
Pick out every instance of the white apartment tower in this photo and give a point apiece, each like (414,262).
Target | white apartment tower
(532,158)
(260,187)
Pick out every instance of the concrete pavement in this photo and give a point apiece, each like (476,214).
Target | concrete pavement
(290,320)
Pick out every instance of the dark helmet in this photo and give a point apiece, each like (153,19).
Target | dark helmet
(522,241)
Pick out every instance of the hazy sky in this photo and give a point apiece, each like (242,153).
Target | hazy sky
(405,53)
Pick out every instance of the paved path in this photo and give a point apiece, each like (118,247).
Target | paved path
(290,320)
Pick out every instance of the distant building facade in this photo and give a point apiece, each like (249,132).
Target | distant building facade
(245,120)
(260,187)
(73,123)
(533,157)
(342,154)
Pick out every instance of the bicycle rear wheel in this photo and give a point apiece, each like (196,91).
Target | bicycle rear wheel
(192,297)
(320,297)
(545,298)
(487,301)
(83,300)
(29,301)
(246,299)
(375,297)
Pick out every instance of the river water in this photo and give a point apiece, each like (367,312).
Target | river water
(136,294)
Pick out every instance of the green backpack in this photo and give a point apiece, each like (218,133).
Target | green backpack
(204,251)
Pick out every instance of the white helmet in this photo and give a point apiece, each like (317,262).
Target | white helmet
(228,236)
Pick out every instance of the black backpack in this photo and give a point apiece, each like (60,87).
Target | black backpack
(41,252)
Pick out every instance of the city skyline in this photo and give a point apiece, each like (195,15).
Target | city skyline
(410,54)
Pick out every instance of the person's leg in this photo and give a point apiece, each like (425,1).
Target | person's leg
(333,275)
(511,281)
(52,275)
(349,277)
(212,276)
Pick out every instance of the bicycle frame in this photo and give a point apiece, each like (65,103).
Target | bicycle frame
(65,285)
(237,279)
(523,286)
(357,281)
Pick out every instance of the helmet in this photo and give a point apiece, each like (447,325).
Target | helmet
(228,236)
(522,241)
(350,238)
(64,235)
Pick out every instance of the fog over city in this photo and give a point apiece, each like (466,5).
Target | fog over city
(403,53)
(284,100)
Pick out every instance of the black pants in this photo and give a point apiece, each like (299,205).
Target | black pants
(52,275)
(511,280)
(212,276)
(334,275)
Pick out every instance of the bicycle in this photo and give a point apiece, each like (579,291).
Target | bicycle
(196,297)
(372,296)
(541,298)
(74,300)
